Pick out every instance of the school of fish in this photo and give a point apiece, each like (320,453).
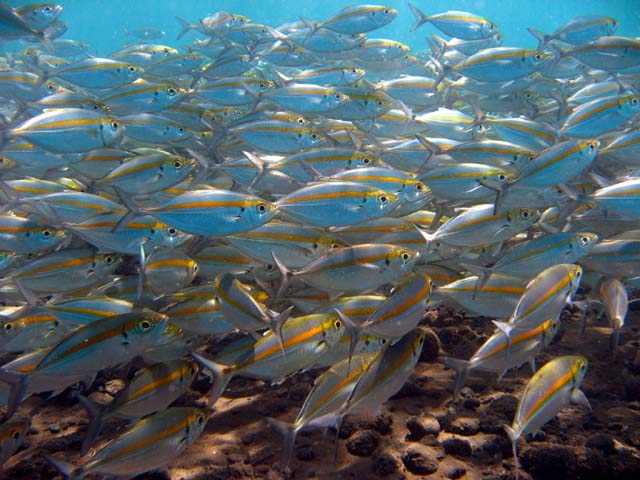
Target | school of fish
(274,199)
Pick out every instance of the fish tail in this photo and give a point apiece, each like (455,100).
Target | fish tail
(186,26)
(66,469)
(134,210)
(483,273)
(513,436)
(288,433)
(428,238)
(429,145)
(260,167)
(312,26)
(542,37)
(438,45)
(222,374)
(96,422)
(276,324)
(505,327)
(285,273)
(461,367)
(615,339)
(421,17)
(354,330)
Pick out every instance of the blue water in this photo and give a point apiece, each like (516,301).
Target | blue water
(102,23)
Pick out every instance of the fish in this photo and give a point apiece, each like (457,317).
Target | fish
(501,64)
(325,204)
(21,235)
(324,402)
(151,390)
(213,212)
(386,374)
(478,225)
(555,386)
(463,25)
(579,30)
(70,130)
(304,339)
(80,267)
(355,19)
(492,354)
(150,444)
(397,315)
(358,268)
(544,298)
(12,434)
(616,300)
(101,344)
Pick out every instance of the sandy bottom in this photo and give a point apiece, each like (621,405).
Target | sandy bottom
(418,433)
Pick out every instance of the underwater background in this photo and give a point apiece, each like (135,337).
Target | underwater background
(103,23)
(420,428)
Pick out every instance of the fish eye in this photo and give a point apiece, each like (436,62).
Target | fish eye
(334,246)
(383,341)
(537,56)
(145,325)
(47,8)
(46,233)
(8,327)
(172,231)
(337,96)
(383,199)
(192,371)
(200,419)
(51,87)
(338,324)
(177,164)
(314,136)
(262,208)
(300,120)
(502,177)
(132,69)
(419,187)
(525,214)
(109,259)
(268,267)
(171,91)
(592,146)
(366,160)
(379,103)
(262,85)
(584,240)
(634,100)
(405,257)
(578,273)
(115,125)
